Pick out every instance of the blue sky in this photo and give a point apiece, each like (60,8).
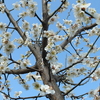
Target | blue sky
(14,83)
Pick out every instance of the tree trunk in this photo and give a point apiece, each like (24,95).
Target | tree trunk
(48,79)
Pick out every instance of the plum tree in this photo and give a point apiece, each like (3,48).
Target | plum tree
(34,48)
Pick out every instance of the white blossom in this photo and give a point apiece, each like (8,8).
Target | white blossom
(16,6)
(6,35)
(5,97)
(56,67)
(68,22)
(49,46)
(98,19)
(48,33)
(45,89)
(25,25)
(51,58)
(29,76)
(2,7)
(17,94)
(60,26)
(26,86)
(53,19)
(25,63)
(92,11)
(23,14)
(36,85)
(32,5)
(37,77)
(71,60)
(31,12)
(23,3)
(58,48)
(20,40)
(3,26)
(9,48)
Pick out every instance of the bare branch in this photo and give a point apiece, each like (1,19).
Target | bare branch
(38,18)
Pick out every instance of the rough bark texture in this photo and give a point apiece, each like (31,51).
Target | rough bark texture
(51,82)
(46,74)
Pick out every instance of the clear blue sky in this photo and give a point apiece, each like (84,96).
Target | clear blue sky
(14,83)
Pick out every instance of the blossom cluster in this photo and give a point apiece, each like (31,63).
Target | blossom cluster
(53,50)
(31,7)
(8,45)
(2,7)
(44,89)
(79,12)
(95,94)
(4,64)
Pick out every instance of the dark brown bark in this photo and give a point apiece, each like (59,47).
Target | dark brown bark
(46,74)
(45,27)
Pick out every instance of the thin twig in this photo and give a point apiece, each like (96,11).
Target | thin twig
(57,9)
(83,79)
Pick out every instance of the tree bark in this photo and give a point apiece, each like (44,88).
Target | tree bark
(46,73)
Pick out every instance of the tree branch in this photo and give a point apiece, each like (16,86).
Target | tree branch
(36,53)
(45,28)
(31,97)
(23,71)
(79,96)
(38,18)
(57,9)
(68,40)
(83,79)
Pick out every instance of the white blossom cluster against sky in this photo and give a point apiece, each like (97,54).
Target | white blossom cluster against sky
(26,25)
